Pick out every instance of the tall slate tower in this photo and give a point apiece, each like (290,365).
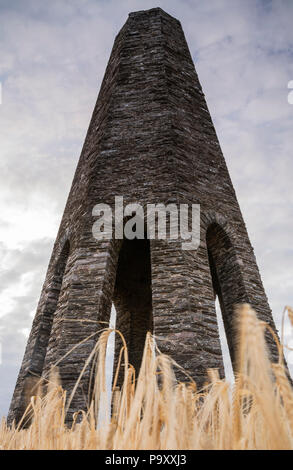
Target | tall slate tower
(151,140)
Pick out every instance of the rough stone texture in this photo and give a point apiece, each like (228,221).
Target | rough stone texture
(151,139)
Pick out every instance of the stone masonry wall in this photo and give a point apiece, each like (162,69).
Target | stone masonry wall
(151,140)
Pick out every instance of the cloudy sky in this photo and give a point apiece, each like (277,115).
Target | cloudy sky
(52,60)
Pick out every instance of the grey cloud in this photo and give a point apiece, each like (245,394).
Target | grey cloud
(33,258)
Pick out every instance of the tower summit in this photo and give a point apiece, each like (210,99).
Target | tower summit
(151,140)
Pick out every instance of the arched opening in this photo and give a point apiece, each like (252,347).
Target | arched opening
(228,368)
(133,297)
(36,366)
(49,311)
(226,281)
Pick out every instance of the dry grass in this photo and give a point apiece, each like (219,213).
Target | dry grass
(256,413)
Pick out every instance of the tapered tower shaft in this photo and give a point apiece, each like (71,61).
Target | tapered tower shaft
(151,140)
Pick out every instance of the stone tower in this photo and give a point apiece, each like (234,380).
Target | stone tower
(151,140)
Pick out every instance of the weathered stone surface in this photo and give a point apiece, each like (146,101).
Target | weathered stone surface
(151,139)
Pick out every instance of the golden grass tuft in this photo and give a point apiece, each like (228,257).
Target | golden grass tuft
(156,412)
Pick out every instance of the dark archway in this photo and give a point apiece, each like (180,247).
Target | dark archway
(133,297)
(226,280)
(49,311)
(36,365)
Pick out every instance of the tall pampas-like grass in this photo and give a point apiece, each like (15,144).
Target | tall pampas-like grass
(155,411)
